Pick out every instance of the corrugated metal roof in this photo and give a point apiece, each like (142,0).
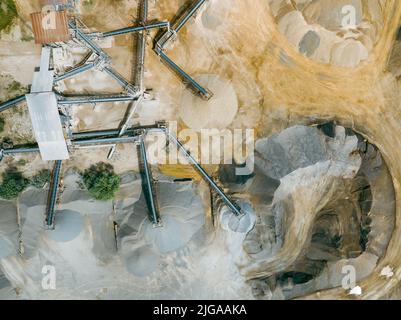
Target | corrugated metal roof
(50,27)
(46,125)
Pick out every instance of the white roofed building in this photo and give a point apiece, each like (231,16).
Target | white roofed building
(43,109)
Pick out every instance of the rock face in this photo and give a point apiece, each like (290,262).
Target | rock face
(338,32)
(333,206)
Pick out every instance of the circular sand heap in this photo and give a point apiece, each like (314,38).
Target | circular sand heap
(68,226)
(217,113)
(144,246)
(143,261)
(241,224)
(179,226)
(338,32)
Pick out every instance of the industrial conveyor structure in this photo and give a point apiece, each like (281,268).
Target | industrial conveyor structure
(139,66)
(160,45)
(70,100)
(53,195)
(137,135)
(104,59)
(133,29)
(148,184)
(134,93)
(11,103)
(232,205)
(138,71)
(164,39)
(102,63)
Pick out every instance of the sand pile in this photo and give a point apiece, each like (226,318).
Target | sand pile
(182,217)
(217,113)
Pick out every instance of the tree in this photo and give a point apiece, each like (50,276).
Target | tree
(13,184)
(39,180)
(101,181)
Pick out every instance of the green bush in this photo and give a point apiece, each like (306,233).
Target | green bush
(101,181)
(39,180)
(2,124)
(8,12)
(13,184)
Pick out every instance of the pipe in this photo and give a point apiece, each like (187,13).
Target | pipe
(232,205)
(202,92)
(149,190)
(11,103)
(156,25)
(53,194)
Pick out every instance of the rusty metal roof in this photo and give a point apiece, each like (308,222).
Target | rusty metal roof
(50,27)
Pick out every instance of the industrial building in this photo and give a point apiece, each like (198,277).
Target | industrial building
(49,27)
(43,109)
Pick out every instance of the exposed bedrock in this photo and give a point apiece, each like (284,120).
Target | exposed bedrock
(328,202)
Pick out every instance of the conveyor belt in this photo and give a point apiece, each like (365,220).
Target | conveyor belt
(52,200)
(148,184)
(231,204)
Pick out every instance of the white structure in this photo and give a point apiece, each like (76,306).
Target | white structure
(43,109)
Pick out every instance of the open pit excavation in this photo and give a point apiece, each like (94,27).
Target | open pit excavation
(200,149)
